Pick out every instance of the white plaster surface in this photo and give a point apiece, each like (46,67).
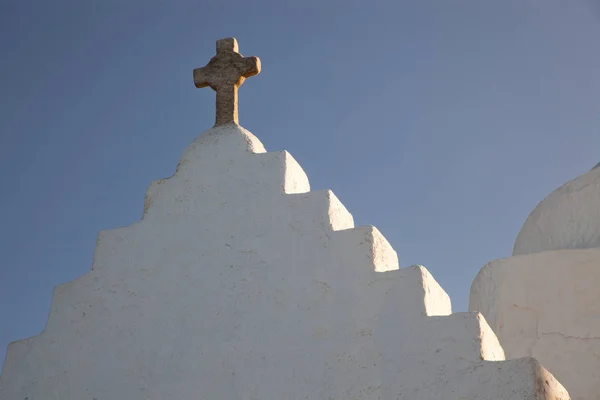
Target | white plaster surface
(240,283)
(547,305)
(569,218)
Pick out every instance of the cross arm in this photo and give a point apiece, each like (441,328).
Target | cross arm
(201,77)
(249,66)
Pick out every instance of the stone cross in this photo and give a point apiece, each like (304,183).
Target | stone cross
(224,73)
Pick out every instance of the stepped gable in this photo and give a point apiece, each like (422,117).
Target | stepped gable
(241,283)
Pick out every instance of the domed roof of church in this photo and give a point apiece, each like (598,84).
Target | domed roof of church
(569,218)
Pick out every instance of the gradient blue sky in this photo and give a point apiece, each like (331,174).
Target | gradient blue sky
(441,122)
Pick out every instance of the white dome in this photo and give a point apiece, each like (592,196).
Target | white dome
(569,218)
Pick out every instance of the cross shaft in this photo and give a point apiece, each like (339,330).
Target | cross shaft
(225,73)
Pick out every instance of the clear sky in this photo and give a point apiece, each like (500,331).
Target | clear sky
(441,122)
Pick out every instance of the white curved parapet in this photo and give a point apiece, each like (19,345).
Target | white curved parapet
(569,218)
(240,283)
(547,305)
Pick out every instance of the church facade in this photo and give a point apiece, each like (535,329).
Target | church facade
(240,282)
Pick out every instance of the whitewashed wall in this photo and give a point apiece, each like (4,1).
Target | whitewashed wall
(547,305)
(240,283)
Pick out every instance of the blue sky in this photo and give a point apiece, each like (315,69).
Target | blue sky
(441,122)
